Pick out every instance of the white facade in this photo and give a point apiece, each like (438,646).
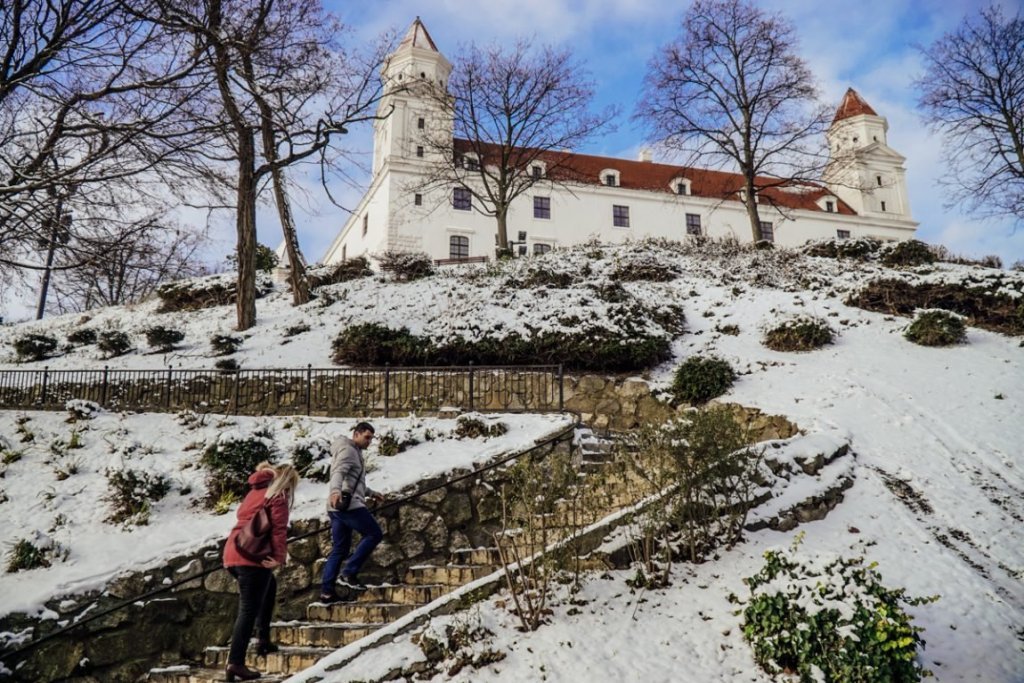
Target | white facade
(865,196)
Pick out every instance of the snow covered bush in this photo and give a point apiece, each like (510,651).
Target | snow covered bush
(232,458)
(349,269)
(311,458)
(699,379)
(907,253)
(644,268)
(390,443)
(376,344)
(224,344)
(80,409)
(475,427)
(204,292)
(802,333)
(113,343)
(83,336)
(266,258)
(407,266)
(860,248)
(163,339)
(936,328)
(453,646)
(30,553)
(829,618)
(33,347)
(226,365)
(131,494)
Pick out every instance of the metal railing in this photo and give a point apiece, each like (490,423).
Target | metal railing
(341,392)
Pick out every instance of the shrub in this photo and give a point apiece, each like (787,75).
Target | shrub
(472,427)
(376,344)
(937,328)
(82,337)
(163,339)
(80,409)
(829,618)
(645,270)
(699,379)
(390,443)
(946,256)
(408,266)
(860,248)
(537,277)
(227,365)
(113,343)
(311,458)
(296,329)
(33,347)
(266,258)
(908,253)
(225,344)
(802,333)
(350,269)
(199,293)
(131,493)
(231,459)
(25,555)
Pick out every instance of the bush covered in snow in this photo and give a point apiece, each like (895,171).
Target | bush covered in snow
(937,328)
(390,443)
(860,249)
(83,336)
(81,409)
(31,553)
(226,365)
(349,269)
(801,333)
(33,347)
(113,343)
(162,338)
(225,344)
(311,458)
(829,618)
(907,253)
(231,459)
(406,265)
(699,379)
(475,426)
(204,292)
(131,494)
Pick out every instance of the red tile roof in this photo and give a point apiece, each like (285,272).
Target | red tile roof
(853,105)
(649,176)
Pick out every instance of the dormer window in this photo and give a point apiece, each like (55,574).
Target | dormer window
(470,163)
(830,206)
(610,177)
(536,172)
(680,186)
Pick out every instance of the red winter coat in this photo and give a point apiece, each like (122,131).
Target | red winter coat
(258,483)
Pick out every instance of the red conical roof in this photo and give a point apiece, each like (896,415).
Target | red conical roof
(853,105)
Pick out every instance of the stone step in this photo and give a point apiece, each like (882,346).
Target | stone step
(288,660)
(319,634)
(357,612)
(187,674)
(402,594)
(448,575)
(479,556)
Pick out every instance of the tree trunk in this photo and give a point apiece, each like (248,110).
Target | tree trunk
(751,204)
(502,247)
(245,224)
(296,263)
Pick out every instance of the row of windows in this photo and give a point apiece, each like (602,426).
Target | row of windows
(458,247)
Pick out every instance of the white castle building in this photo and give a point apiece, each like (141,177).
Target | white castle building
(864,195)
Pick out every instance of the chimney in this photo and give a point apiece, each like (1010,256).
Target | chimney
(645,155)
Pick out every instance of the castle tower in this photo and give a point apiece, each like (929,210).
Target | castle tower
(863,170)
(411,74)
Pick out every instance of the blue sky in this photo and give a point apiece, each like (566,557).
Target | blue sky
(868,45)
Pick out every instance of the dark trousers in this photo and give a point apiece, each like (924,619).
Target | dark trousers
(342,525)
(257,592)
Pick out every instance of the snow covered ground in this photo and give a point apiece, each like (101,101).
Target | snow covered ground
(938,434)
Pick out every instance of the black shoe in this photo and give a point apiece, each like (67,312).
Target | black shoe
(352,583)
(329,598)
(265,647)
(241,672)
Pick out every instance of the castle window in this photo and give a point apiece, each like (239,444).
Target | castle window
(878,179)
(693,224)
(470,163)
(462,199)
(541,248)
(767,231)
(830,207)
(418,199)
(458,247)
(419,151)
(620,216)
(542,207)
(883,206)
(843,234)
(609,180)
(366,223)
(537,172)
(681,188)
(421,123)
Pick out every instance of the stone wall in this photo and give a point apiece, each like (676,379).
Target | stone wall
(176,626)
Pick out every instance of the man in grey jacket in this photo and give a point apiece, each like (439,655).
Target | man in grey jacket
(346,506)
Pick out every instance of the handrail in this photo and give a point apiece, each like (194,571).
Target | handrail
(577,422)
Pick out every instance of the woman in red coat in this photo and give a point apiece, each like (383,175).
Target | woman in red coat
(273,486)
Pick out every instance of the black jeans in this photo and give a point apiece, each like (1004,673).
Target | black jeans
(257,591)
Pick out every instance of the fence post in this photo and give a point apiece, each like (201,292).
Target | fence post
(103,391)
(561,386)
(471,386)
(387,387)
(46,379)
(309,389)
(167,398)
(237,373)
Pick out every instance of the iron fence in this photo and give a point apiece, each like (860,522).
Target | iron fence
(340,392)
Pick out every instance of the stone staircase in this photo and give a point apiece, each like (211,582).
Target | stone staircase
(328,627)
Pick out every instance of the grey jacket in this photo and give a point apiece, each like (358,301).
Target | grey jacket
(348,473)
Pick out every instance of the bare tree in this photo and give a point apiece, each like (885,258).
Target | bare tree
(733,89)
(511,110)
(972,92)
